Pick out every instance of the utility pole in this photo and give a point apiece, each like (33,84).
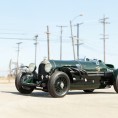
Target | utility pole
(72,39)
(36,42)
(78,42)
(72,33)
(18,56)
(48,42)
(61,32)
(104,22)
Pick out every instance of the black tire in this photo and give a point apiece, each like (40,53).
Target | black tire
(89,91)
(18,83)
(58,84)
(115,84)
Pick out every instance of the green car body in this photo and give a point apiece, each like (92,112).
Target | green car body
(94,74)
(59,76)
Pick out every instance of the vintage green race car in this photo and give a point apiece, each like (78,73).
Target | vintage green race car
(58,76)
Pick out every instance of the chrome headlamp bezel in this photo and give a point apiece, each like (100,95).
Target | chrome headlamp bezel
(32,67)
(48,67)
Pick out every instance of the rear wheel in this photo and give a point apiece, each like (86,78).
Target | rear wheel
(89,91)
(19,84)
(116,85)
(58,84)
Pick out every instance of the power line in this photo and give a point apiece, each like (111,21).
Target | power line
(15,38)
(14,33)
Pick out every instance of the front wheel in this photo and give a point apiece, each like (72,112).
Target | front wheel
(115,84)
(20,78)
(58,84)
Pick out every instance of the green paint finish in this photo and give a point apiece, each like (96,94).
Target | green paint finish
(85,65)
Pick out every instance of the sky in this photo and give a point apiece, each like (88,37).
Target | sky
(21,20)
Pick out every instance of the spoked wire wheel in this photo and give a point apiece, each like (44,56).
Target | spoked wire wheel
(59,84)
(19,80)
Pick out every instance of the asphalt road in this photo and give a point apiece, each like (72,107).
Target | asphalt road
(76,104)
